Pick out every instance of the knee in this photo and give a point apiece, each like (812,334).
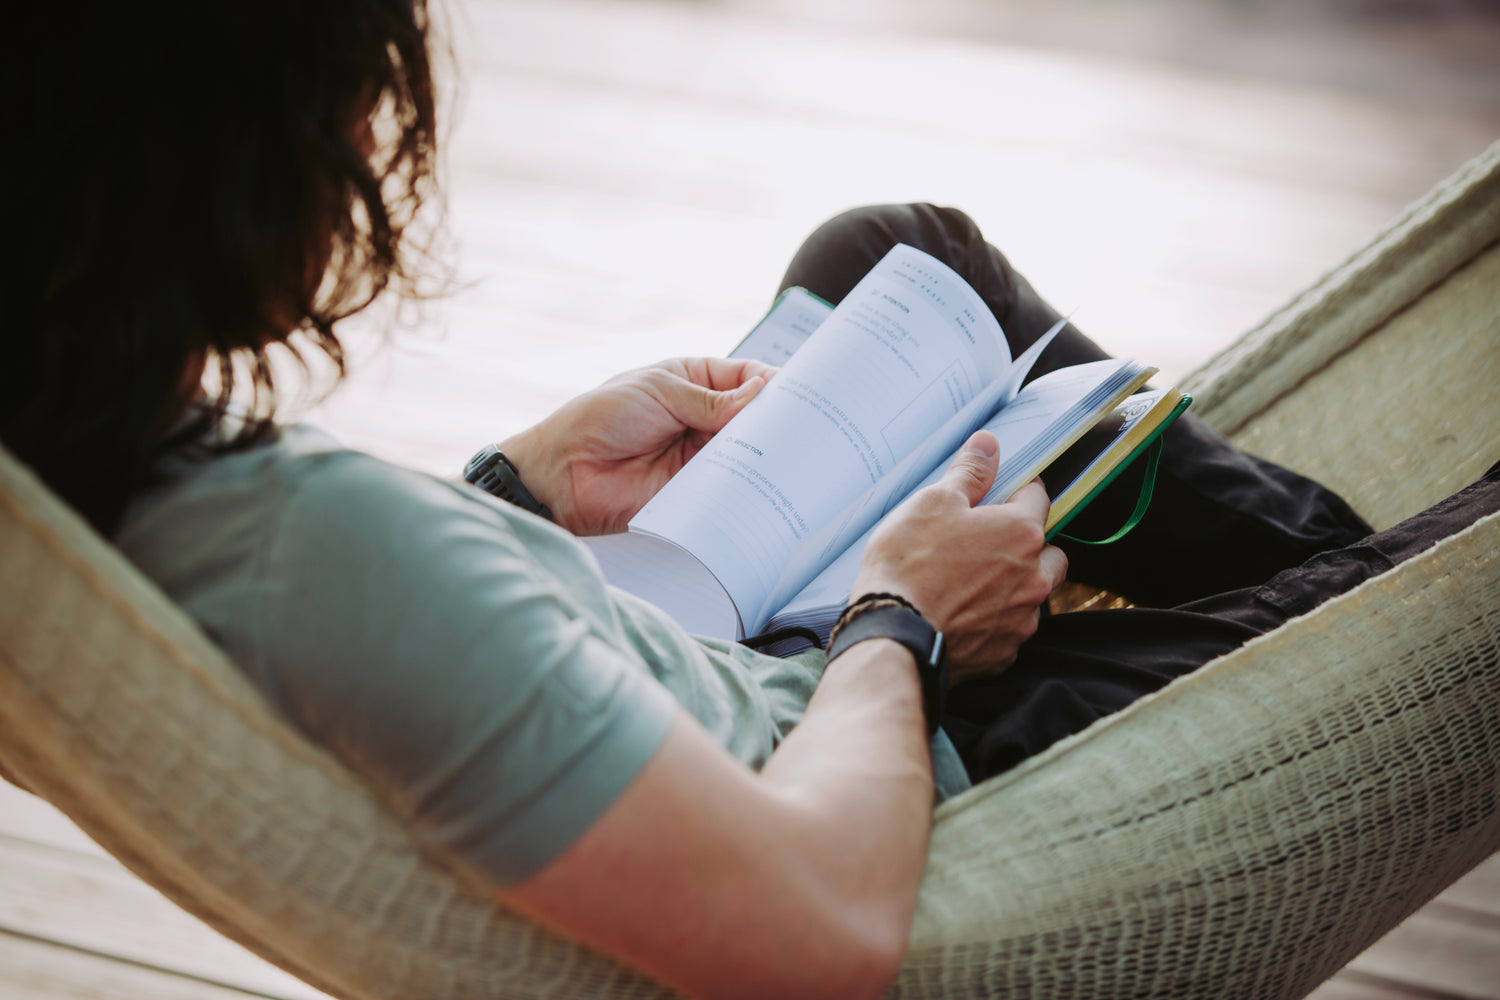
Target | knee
(863,225)
(839,252)
(876,228)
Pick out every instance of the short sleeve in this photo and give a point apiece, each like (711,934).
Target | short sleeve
(460,656)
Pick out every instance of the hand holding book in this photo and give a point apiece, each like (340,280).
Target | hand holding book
(766,527)
(597,460)
(978,572)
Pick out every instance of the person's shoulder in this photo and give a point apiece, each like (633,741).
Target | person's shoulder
(301,465)
(297,492)
(202,503)
(353,486)
(205,481)
(366,507)
(297,471)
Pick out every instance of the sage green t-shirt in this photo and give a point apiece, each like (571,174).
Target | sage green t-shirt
(461,655)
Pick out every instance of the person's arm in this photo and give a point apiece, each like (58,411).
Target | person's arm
(601,456)
(801,880)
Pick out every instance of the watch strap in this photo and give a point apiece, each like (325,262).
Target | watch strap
(888,618)
(492,472)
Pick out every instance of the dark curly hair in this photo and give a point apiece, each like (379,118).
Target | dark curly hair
(197,184)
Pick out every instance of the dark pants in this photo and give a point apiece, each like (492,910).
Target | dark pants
(1231,547)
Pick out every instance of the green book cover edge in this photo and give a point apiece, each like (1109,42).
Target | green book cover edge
(1137,452)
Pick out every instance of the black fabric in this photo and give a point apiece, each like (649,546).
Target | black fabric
(1081,667)
(1231,547)
(1219,518)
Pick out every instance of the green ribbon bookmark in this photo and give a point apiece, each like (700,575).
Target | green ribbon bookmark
(1153,459)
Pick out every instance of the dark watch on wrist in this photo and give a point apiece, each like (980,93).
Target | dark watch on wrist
(886,616)
(492,472)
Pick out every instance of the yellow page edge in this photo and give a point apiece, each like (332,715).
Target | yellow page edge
(1137,440)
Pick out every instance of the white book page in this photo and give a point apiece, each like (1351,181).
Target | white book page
(794,317)
(1031,426)
(662,574)
(907,349)
(879,499)
(1052,413)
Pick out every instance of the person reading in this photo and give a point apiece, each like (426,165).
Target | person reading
(194,193)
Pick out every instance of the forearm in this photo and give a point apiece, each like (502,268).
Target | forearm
(857,772)
(798,881)
(802,879)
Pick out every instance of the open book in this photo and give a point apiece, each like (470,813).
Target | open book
(766,525)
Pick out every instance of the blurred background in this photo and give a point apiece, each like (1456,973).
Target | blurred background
(627,178)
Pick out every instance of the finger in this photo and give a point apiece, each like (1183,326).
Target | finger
(720,373)
(1053,563)
(704,409)
(1030,501)
(973,471)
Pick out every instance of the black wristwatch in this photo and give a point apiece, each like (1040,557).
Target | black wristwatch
(886,616)
(492,472)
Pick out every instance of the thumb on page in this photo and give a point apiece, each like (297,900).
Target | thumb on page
(705,409)
(973,471)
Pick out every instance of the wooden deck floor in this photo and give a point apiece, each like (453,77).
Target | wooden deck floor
(628,178)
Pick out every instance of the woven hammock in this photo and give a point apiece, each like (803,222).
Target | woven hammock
(1244,832)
